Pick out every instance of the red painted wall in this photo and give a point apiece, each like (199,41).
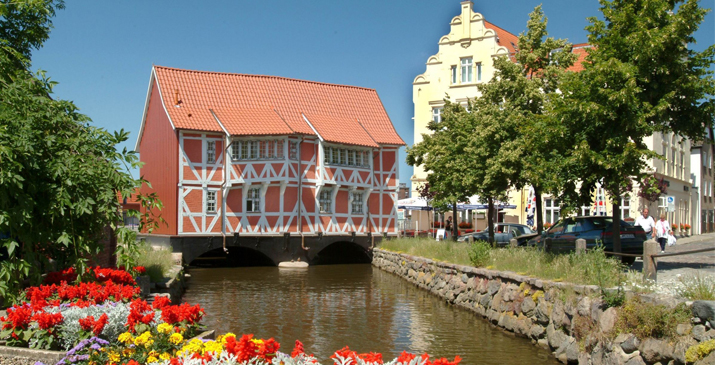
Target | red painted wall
(159,150)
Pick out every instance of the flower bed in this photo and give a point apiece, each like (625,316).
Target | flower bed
(166,345)
(106,323)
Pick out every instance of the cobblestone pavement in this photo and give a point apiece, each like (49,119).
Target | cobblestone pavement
(672,269)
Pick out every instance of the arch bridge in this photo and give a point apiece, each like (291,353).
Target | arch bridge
(314,249)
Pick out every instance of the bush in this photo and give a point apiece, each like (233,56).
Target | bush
(480,253)
(650,320)
(696,287)
(157,262)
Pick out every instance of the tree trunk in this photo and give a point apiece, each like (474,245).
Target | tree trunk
(455,226)
(616,226)
(539,210)
(490,220)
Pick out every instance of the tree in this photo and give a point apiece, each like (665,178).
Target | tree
(60,177)
(639,78)
(443,153)
(26,24)
(523,142)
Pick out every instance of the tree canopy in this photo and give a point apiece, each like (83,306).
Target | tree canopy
(60,177)
(639,78)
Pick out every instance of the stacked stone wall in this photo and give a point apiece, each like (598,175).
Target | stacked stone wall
(570,320)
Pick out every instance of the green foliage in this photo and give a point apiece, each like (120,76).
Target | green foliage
(479,253)
(59,175)
(639,78)
(699,351)
(650,320)
(573,268)
(447,251)
(697,287)
(157,262)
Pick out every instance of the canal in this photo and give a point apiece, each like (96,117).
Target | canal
(328,307)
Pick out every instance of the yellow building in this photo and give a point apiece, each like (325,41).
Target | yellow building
(464,60)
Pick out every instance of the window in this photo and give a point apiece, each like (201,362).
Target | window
(454,74)
(466,69)
(346,157)
(357,203)
(585,210)
(210,202)
(551,210)
(253,200)
(437,114)
(625,207)
(479,71)
(325,200)
(210,152)
(257,150)
(705,158)
(293,150)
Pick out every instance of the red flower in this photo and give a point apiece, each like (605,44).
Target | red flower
(161,302)
(47,321)
(373,357)
(298,349)
(141,270)
(96,326)
(347,354)
(18,317)
(406,357)
(444,361)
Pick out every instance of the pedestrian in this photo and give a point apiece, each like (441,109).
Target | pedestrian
(662,230)
(647,223)
(448,227)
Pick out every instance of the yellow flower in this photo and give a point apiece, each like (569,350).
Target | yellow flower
(126,338)
(257,341)
(213,346)
(113,357)
(176,338)
(165,356)
(143,339)
(153,353)
(151,359)
(165,328)
(128,352)
(148,344)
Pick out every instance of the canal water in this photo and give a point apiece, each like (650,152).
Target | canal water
(328,307)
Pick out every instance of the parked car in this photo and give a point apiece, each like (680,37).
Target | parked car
(595,230)
(504,233)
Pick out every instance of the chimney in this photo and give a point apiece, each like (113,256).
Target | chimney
(466,19)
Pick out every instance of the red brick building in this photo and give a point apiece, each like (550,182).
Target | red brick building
(262,156)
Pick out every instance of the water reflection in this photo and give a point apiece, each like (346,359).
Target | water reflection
(327,307)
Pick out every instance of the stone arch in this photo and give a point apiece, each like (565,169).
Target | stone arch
(343,252)
(233,256)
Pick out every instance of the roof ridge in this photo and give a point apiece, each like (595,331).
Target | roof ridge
(500,28)
(265,76)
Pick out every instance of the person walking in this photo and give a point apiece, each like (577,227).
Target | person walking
(662,230)
(647,223)
(448,228)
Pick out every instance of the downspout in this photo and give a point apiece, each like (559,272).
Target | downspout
(300,195)
(369,212)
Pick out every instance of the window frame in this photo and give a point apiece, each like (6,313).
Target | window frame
(211,202)
(357,202)
(210,152)
(253,196)
(325,200)
(466,70)
(453,74)
(437,114)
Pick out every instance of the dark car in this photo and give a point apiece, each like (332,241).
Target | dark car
(504,233)
(595,230)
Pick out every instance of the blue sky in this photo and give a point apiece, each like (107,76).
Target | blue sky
(101,52)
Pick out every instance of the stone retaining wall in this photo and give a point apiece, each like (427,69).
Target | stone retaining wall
(549,313)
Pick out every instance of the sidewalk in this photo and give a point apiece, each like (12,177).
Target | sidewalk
(671,269)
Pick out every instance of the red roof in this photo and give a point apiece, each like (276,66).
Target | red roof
(270,105)
(504,38)
(581,50)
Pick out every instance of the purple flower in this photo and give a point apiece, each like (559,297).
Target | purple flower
(39,363)
(95,347)
(99,341)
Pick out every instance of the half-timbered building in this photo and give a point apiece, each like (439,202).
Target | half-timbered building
(264,161)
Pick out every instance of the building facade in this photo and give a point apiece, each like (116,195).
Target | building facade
(464,60)
(701,173)
(249,156)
